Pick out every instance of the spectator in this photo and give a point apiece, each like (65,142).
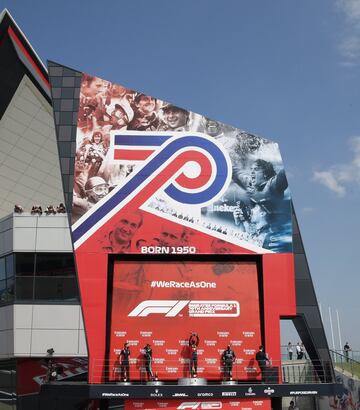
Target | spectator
(293,406)
(36,210)
(290,350)
(299,353)
(61,209)
(18,209)
(303,351)
(50,210)
(347,349)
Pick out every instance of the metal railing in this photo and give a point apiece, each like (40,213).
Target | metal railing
(345,363)
(303,371)
(306,371)
(352,354)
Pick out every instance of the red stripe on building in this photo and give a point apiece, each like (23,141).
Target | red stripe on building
(27,55)
(132,155)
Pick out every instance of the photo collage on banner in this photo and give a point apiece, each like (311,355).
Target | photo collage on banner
(127,140)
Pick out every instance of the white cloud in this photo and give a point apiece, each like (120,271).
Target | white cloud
(328,179)
(349,44)
(338,177)
(351,9)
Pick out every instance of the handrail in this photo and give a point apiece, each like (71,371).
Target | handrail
(301,371)
(345,363)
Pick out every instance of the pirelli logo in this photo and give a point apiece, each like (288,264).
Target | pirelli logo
(193,308)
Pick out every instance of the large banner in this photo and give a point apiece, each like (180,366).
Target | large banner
(143,162)
(162,303)
(151,178)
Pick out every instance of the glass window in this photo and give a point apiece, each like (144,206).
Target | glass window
(56,288)
(24,287)
(10,288)
(3,297)
(55,264)
(24,263)
(2,269)
(10,265)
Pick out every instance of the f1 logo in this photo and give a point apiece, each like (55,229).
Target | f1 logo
(197,308)
(170,307)
(204,405)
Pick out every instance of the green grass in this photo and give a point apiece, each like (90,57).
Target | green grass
(350,367)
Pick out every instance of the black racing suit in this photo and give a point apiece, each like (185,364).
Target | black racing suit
(148,362)
(228,358)
(125,364)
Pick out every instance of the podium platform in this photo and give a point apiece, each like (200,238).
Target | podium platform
(192,381)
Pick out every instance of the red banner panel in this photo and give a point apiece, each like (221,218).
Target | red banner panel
(224,404)
(162,303)
(32,373)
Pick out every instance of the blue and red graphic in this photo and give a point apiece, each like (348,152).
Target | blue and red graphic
(168,165)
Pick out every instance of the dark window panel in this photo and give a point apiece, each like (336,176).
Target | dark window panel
(55,264)
(10,288)
(24,263)
(3,292)
(10,265)
(24,288)
(2,269)
(56,288)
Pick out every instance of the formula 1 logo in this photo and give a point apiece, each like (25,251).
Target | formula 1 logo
(204,405)
(196,308)
(190,168)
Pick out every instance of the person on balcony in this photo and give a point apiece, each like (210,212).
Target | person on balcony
(347,349)
(290,350)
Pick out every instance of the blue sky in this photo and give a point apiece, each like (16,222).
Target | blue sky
(284,69)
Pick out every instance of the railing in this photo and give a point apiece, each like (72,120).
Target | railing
(345,363)
(306,371)
(298,372)
(352,354)
(163,369)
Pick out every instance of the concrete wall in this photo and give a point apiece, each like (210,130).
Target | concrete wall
(29,330)
(40,327)
(28,233)
(29,161)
